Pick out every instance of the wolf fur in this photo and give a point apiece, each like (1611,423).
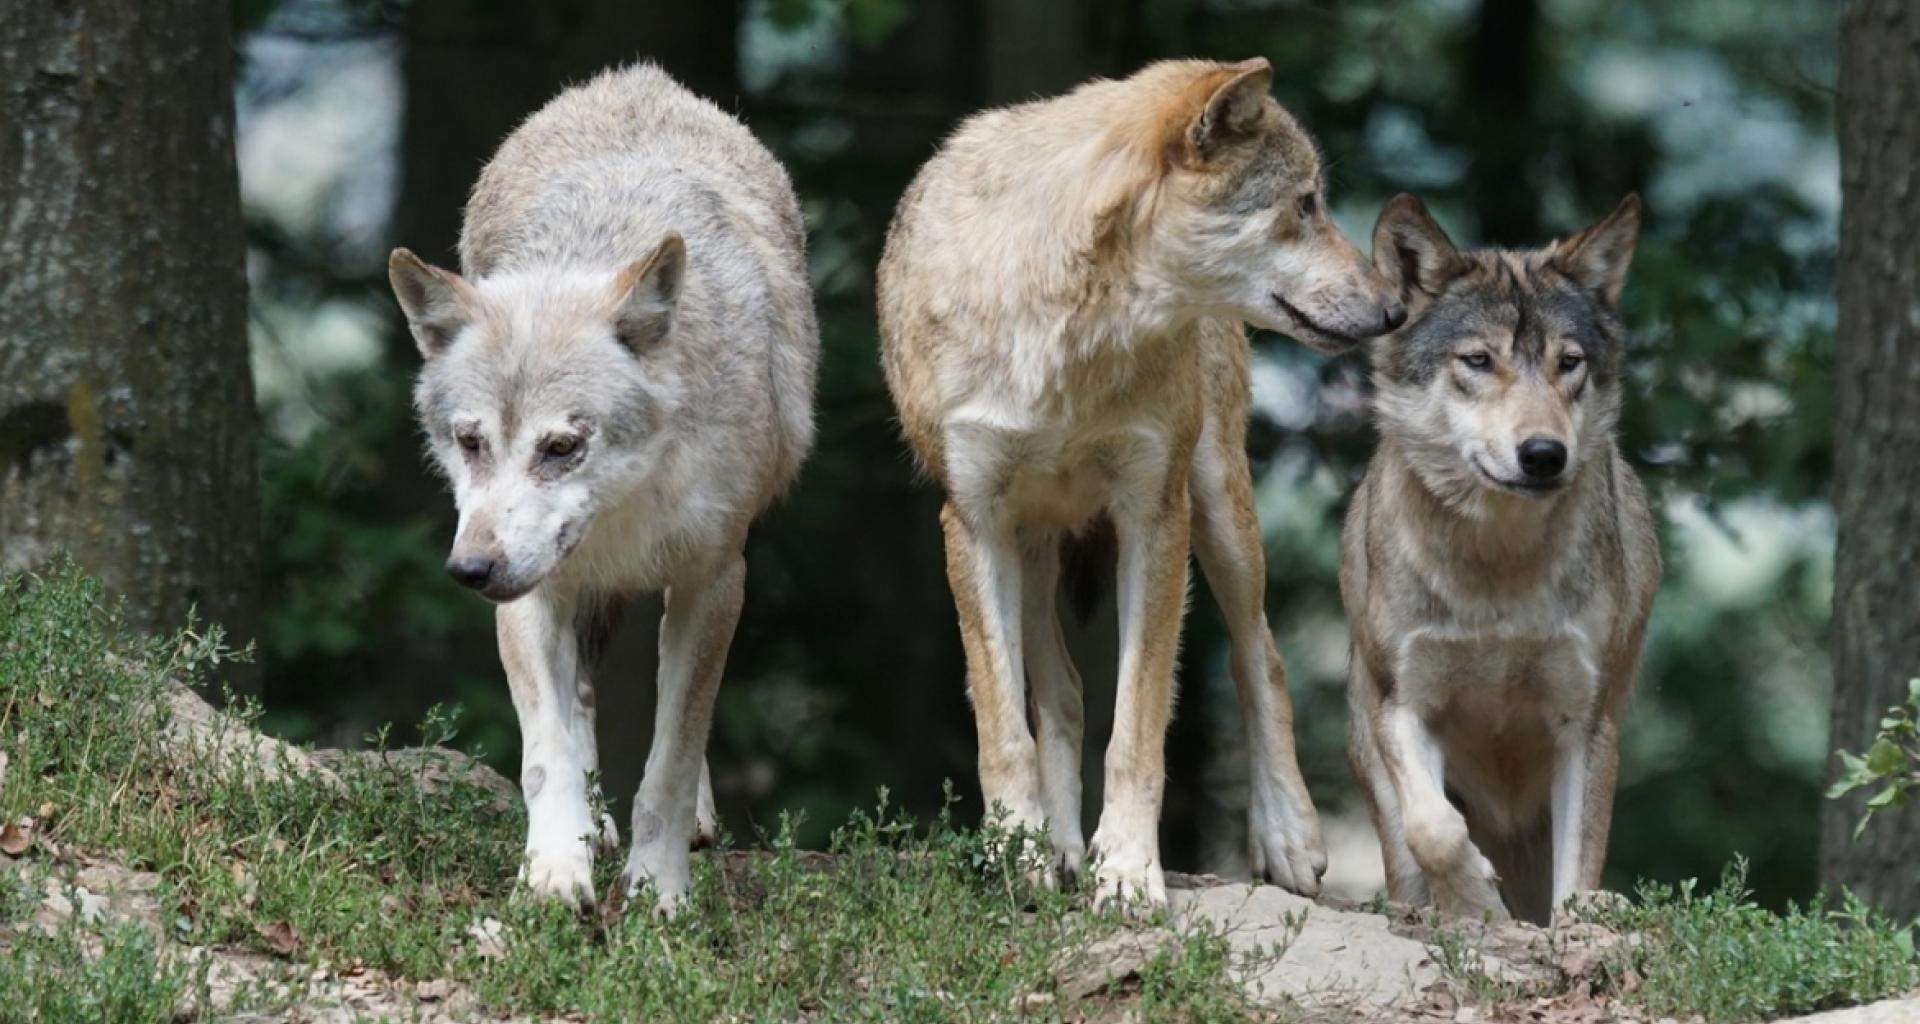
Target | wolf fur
(1497,586)
(619,383)
(1060,306)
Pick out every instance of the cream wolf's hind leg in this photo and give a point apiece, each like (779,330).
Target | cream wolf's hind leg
(1059,709)
(558,755)
(1284,843)
(695,632)
(706,820)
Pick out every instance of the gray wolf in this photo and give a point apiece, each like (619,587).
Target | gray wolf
(619,381)
(1061,298)
(1497,566)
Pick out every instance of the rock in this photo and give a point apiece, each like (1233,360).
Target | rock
(198,735)
(1080,973)
(1890,1011)
(430,768)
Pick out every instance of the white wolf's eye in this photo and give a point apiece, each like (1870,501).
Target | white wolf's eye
(560,447)
(468,441)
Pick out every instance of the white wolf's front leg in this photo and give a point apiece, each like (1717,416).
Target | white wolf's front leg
(702,611)
(557,755)
(1151,599)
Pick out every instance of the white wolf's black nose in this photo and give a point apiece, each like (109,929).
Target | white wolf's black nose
(1542,458)
(473,571)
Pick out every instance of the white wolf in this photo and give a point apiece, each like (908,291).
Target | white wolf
(619,384)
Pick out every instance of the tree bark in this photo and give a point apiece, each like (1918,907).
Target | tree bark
(126,403)
(1876,598)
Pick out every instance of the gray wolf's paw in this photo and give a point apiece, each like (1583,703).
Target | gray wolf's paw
(1284,845)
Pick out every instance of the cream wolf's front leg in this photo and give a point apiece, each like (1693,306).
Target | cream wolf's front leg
(1151,598)
(695,633)
(557,752)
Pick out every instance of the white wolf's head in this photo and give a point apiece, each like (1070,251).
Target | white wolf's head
(542,399)
(1506,377)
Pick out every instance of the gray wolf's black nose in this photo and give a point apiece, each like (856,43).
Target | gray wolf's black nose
(471,571)
(1394,315)
(1542,458)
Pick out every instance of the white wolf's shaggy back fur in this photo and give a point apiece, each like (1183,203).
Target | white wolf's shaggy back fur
(598,176)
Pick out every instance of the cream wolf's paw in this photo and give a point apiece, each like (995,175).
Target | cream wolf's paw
(565,875)
(1127,873)
(1284,845)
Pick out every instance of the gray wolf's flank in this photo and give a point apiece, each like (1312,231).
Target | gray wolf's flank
(619,383)
(1498,566)
(1061,300)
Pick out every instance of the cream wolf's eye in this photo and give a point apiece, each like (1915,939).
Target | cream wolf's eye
(1477,360)
(1306,205)
(1570,361)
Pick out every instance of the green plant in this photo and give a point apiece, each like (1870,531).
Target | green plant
(1892,763)
(1728,960)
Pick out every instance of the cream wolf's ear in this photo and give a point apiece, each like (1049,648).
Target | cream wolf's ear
(648,290)
(1411,252)
(1597,258)
(438,303)
(1233,110)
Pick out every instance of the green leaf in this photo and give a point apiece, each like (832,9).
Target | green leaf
(1913,692)
(1884,757)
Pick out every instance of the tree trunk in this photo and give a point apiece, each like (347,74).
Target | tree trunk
(1876,597)
(126,403)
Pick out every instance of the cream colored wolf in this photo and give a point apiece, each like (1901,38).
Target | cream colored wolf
(1060,307)
(621,382)
(1498,566)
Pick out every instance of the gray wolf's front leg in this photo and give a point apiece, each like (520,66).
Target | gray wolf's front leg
(702,611)
(1458,875)
(558,756)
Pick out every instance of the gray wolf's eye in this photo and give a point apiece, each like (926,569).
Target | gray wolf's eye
(1571,361)
(560,447)
(1477,360)
(1306,205)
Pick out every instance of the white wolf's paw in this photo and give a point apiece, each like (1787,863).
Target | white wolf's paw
(565,875)
(706,830)
(609,838)
(663,867)
(1284,845)
(1069,858)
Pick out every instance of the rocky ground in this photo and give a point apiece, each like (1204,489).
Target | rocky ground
(1339,961)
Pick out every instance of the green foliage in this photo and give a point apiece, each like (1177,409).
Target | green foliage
(1728,960)
(1892,763)
(896,923)
(60,979)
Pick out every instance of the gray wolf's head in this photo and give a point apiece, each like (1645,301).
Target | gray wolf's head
(1506,376)
(1236,214)
(541,397)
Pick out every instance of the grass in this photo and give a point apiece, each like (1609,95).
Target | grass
(904,923)
(1719,955)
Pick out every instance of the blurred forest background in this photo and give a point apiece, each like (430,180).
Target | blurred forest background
(361,125)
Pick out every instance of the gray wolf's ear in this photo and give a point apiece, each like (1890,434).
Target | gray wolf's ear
(1233,110)
(1412,252)
(647,291)
(438,303)
(1597,258)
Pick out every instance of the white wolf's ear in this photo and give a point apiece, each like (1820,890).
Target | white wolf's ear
(1233,110)
(438,303)
(1412,252)
(1597,258)
(647,291)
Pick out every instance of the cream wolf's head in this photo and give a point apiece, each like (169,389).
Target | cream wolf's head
(542,397)
(1234,212)
(1506,376)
